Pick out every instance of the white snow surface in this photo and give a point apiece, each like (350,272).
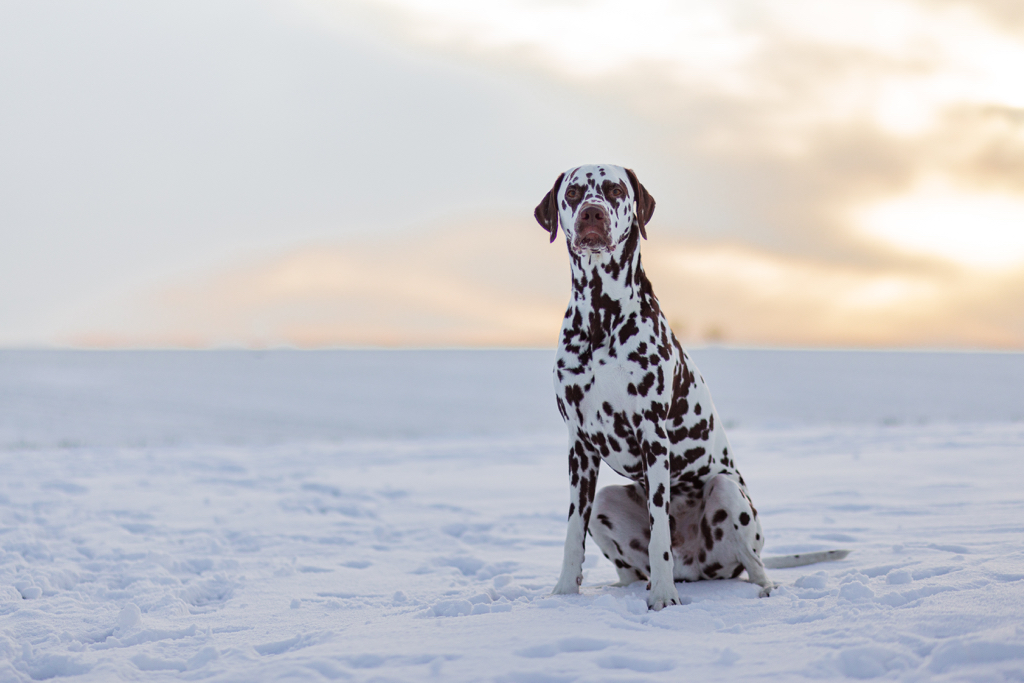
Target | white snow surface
(399,516)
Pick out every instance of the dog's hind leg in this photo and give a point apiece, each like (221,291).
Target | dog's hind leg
(621,529)
(730,535)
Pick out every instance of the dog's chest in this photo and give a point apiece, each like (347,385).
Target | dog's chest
(606,407)
(607,378)
(609,398)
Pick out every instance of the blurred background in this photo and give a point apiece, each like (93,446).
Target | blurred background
(315,173)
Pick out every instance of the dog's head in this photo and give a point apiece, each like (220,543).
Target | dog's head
(595,205)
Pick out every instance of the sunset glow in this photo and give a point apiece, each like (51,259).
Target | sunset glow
(895,63)
(364,172)
(976,229)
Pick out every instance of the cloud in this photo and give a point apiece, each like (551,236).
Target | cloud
(488,284)
(142,140)
(794,149)
(980,229)
(501,284)
(776,122)
(895,62)
(749,297)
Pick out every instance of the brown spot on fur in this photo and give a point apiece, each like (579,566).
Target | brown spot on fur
(712,570)
(574,195)
(705,531)
(609,189)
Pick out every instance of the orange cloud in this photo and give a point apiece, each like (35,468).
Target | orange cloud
(501,284)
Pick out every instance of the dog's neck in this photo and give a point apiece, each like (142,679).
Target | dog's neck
(616,274)
(607,287)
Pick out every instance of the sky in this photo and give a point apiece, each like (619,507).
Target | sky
(316,173)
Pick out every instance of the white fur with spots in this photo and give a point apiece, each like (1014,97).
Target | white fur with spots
(631,396)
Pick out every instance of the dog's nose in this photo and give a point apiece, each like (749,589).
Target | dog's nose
(592,227)
(592,215)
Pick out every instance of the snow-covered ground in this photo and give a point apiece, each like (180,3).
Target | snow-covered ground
(399,516)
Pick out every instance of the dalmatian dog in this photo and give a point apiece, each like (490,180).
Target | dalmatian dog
(631,396)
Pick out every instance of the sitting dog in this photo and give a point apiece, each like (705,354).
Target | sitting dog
(632,397)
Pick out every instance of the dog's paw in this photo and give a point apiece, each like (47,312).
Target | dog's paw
(663,597)
(658,604)
(766,591)
(568,587)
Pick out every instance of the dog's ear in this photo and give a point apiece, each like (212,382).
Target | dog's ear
(644,202)
(546,212)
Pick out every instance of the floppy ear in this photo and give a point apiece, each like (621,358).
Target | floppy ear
(546,212)
(644,202)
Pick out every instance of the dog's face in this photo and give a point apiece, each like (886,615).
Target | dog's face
(594,205)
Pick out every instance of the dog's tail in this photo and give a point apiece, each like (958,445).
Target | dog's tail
(787,561)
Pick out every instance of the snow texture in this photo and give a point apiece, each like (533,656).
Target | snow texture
(399,516)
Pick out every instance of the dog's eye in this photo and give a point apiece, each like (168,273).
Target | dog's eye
(572,193)
(616,191)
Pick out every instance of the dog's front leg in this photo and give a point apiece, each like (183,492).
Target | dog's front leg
(583,468)
(659,480)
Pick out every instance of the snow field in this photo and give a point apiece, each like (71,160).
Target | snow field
(432,558)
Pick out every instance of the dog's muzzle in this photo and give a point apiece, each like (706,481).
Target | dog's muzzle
(592,233)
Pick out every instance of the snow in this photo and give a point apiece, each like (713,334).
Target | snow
(399,515)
